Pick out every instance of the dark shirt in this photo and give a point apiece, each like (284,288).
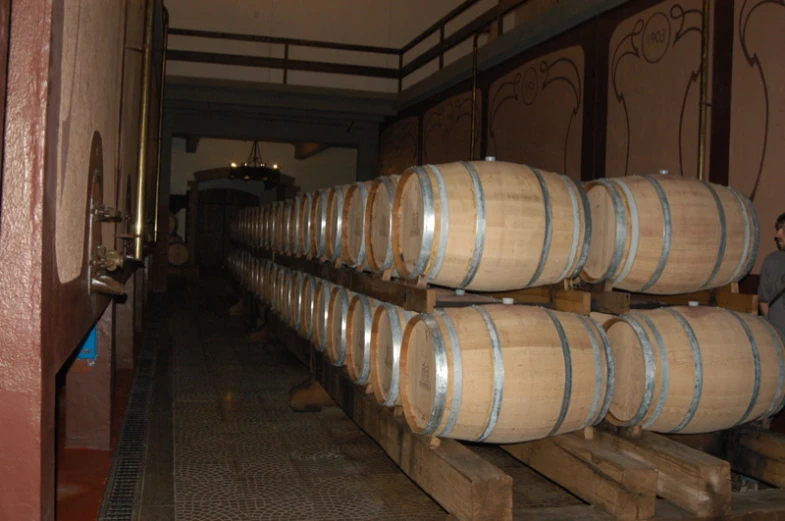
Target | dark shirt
(772,282)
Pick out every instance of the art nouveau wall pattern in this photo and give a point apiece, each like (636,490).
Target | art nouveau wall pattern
(654,91)
(757,134)
(536,113)
(398,146)
(446,129)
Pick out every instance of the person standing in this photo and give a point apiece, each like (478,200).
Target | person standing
(771,288)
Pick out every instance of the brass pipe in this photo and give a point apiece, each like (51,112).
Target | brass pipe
(473,136)
(144,117)
(703,123)
(161,89)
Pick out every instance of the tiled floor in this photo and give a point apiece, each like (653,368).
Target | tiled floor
(240,453)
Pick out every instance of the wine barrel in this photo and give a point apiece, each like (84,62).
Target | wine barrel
(280,291)
(359,321)
(319,225)
(177,252)
(387,328)
(304,227)
(269,281)
(287,226)
(267,226)
(321,311)
(665,235)
(279,226)
(262,212)
(295,299)
(695,369)
(258,285)
(334,230)
(378,223)
(307,301)
(292,245)
(504,374)
(337,325)
(489,226)
(259,237)
(353,232)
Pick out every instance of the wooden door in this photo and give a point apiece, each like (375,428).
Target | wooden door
(217,207)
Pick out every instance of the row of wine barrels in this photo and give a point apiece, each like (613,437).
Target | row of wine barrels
(694,369)
(695,235)
(508,374)
(664,235)
(504,374)
(488,225)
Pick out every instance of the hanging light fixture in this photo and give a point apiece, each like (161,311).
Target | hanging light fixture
(255,169)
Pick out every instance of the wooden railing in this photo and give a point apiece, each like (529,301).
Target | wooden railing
(405,68)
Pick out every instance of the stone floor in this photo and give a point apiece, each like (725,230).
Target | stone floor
(223,443)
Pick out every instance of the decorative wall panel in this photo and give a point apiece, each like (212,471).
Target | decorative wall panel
(398,146)
(757,134)
(654,91)
(536,113)
(446,129)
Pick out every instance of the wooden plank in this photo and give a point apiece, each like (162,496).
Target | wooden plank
(614,302)
(462,482)
(624,487)
(758,453)
(693,480)
(741,302)
(572,301)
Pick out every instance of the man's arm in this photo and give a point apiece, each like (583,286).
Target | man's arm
(765,290)
(764,309)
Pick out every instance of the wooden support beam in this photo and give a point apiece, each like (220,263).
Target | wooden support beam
(693,480)
(758,453)
(613,302)
(624,487)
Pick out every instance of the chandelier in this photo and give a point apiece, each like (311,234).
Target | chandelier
(255,169)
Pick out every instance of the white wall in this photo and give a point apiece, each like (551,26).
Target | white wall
(385,23)
(330,167)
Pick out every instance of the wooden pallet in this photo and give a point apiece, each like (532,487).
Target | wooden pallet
(618,475)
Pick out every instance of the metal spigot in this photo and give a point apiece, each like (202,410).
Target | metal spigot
(103,213)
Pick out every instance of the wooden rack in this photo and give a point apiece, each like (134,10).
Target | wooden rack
(582,300)
(619,474)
